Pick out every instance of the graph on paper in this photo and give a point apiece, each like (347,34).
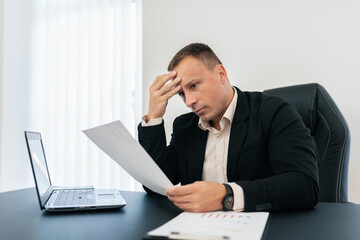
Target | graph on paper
(229,225)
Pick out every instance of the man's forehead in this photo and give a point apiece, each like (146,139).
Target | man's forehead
(189,63)
(190,66)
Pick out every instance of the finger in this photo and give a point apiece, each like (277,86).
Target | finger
(162,79)
(166,90)
(180,199)
(172,92)
(169,86)
(188,207)
(180,190)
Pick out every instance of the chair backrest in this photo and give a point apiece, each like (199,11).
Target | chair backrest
(330,131)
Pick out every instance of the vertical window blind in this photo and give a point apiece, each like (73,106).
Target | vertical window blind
(85,71)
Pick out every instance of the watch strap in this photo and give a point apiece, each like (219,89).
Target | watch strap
(228,201)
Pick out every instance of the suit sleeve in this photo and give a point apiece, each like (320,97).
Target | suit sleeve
(153,140)
(291,153)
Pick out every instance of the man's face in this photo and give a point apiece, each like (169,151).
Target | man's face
(205,91)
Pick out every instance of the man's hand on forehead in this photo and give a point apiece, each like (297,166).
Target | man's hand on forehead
(162,89)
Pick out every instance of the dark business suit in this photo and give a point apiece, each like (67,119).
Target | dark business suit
(271,153)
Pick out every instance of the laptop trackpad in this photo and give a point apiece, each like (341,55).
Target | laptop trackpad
(106,196)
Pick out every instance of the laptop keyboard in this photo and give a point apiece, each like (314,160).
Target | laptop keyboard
(75,197)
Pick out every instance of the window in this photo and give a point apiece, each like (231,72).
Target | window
(85,71)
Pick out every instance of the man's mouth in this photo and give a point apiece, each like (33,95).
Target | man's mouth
(199,111)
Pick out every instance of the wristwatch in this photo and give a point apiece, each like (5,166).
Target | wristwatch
(228,201)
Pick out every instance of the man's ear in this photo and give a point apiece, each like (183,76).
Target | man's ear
(221,71)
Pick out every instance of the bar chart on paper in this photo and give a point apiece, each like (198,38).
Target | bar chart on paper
(214,225)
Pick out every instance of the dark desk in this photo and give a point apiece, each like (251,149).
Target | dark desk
(24,220)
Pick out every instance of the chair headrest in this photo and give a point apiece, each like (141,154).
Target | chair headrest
(303,98)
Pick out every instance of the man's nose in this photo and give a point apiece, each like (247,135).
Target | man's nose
(190,100)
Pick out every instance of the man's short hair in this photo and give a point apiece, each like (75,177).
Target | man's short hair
(200,51)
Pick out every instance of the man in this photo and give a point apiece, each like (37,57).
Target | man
(236,150)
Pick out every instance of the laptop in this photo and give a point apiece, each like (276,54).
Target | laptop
(53,198)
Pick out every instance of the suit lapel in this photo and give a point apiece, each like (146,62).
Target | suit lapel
(197,145)
(238,133)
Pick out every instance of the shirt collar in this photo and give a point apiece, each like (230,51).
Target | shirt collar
(228,115)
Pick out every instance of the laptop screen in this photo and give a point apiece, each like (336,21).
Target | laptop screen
(38,163)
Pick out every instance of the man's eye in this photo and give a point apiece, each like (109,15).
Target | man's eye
(193,85)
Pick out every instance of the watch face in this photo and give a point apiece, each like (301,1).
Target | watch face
(229,202)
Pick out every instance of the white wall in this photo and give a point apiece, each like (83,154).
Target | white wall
(15,170)
(264,44)
(1,65)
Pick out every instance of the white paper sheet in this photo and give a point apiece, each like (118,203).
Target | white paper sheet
(214,225)
(117,142)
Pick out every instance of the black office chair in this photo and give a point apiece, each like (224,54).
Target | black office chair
(330,131)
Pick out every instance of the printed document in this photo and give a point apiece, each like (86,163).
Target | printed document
(117,143)
(214,225)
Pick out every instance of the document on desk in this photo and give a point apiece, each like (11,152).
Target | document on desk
(214,225)
(117,143)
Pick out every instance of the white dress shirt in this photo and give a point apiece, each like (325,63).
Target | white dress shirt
(216,153)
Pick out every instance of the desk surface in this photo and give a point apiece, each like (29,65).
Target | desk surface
(24,220)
